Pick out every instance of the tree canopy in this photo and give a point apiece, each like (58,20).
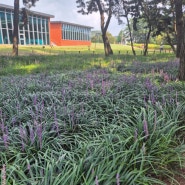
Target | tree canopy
(106,9)
(162,17)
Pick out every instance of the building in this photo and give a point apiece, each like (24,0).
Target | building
(37,32)
(69,34)
(41,31)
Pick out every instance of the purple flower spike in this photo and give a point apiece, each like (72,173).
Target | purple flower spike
(23,145)
(32,136)
(22,134)
(117,179)
(103,88)
(2,126)
(35,100)
(39,134)
(1,113)
(96,181)
(145,125)
(136,134)
(166,78)
(92,84)
(5,139)
(29,167)
(3,175)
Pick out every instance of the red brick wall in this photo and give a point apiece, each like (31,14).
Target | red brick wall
(56,37)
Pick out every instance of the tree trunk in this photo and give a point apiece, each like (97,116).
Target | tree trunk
(169,40)
(179,25)
(130,34)
(180,39)
(147,41)
(107,46)
(104,27)
(16,28)
(181,73)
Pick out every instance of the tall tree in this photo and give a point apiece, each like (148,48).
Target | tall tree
(27,4)
(165,22)
(105,8)
(127,9)
(165,16)
(174,19)
(16,28)
(149,12)
(180,21)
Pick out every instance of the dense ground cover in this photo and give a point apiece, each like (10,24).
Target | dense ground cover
(92,121)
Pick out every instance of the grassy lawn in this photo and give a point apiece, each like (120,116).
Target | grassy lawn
(70,118)
(96,48)
(36,59)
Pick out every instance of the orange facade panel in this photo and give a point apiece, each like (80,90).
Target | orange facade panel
(56,37)
(56,34)
(75,43)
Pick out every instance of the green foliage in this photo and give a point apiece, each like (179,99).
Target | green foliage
(92,126)
(98,38)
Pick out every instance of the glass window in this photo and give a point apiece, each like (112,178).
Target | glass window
(44,38)
(30,24)
(40,39)
(35,23)
(5,36)
(36,37)
(10,32)
(9,21)
(47,39)
(3,20)
(39,25)
(43,25)
(47,27)
(1,39)
(65,33)
(31,38)
(27,37)
(36,32)
(26,27)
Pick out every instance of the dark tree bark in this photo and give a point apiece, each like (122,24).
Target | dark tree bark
(126,7)
(169,40)
(179,26)
(107,46)
(16,28)
(130,35)
(104,27)
(180,39)
(147,41)
(15,38)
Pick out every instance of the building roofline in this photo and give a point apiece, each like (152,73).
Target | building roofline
(63,22)
(30,11)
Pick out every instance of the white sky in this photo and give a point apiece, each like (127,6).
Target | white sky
(66,10)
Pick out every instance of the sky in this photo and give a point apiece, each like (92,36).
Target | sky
(66,10)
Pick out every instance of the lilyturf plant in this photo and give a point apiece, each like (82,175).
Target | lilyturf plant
(93,126)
